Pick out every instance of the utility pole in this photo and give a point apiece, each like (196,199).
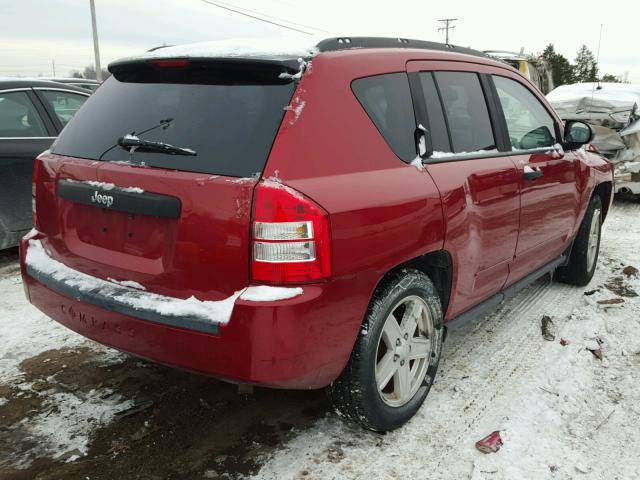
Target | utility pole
(96,49)
(448,25)
(53,67)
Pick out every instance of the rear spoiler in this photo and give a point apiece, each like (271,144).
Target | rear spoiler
(206,70)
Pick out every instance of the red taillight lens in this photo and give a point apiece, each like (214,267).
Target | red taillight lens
(34,182)
(291,238)
(170,63)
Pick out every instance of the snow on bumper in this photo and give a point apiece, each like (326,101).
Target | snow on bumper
(118,297)
(300,342)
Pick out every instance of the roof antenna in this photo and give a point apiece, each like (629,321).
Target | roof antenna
(599,87)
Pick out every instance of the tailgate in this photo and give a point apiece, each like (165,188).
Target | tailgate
(174,233)
(171,216)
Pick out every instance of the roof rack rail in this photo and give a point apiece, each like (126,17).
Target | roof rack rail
(345,43)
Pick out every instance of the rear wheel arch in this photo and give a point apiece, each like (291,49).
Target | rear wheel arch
(437,265)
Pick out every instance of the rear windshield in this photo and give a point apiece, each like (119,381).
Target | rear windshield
(230,123)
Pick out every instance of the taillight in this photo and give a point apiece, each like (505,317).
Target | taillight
(34,180)
(291,238)
(171,63)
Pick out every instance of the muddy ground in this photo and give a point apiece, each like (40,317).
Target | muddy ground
(181,426)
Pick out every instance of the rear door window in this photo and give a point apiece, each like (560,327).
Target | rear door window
(19,117)
(63,104)
(387,101)
(466,111)
(230,121)
(530,125)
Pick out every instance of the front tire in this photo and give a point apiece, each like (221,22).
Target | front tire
(396,355)
(584,254)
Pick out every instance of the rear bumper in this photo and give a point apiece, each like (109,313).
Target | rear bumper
(302,342)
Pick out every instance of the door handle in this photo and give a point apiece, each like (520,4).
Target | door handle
(531,173)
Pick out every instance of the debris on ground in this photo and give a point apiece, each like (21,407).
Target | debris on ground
(548,329)
(595,349)
(630,271)
(564,342)
(549,391)
(137,408)
(588,293)
(618,286)
(611,301)
(491,443)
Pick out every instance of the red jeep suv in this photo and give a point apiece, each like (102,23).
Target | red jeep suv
(309,217)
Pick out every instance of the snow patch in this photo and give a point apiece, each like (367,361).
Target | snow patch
(296,76)
(215,311)
(277,48)
(297,109)
(417,162)
(65,425)
(106,186)
(127,283)
(265,293)
(132,189)
(437,154)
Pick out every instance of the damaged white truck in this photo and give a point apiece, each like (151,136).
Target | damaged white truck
(613,110)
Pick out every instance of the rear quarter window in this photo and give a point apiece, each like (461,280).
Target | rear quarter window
(387,101)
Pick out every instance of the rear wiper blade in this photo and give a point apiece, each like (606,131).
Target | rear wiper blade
(139,144)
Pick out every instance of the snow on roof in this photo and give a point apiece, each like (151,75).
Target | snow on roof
(610,94)
(275,48)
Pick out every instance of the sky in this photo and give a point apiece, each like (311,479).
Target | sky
(36,34)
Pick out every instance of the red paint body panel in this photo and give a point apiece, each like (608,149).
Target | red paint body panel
(481,208)
(382,213)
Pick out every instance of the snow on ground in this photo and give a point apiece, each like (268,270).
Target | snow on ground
(562,413)
(67,418)
(26,332)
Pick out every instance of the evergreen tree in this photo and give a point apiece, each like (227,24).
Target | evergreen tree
(608,78)
(585,68)
(561,69)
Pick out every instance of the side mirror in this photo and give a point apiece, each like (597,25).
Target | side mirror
(576,134)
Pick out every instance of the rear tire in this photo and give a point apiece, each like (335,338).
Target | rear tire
(395,357)
(584,254)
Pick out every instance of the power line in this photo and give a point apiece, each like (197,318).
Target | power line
(255,17)
(448,25)
(276,18)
